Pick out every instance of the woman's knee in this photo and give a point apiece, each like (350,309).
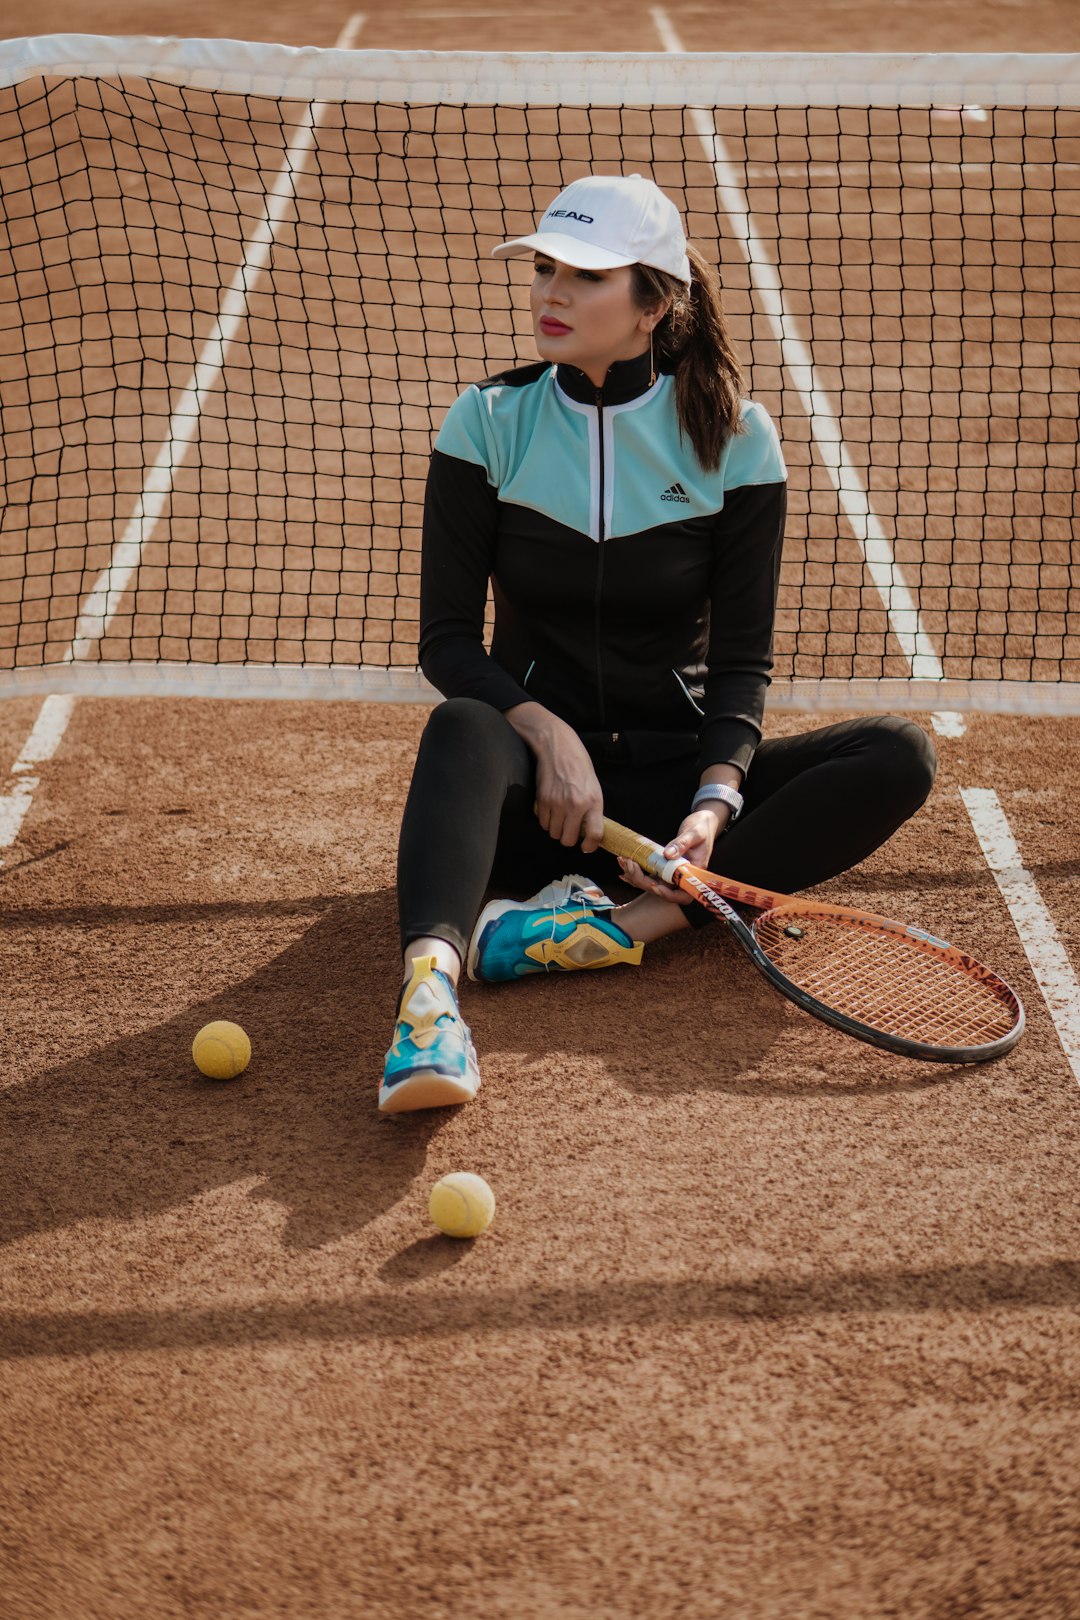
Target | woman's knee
(905,757)
(473,745)
(462,723)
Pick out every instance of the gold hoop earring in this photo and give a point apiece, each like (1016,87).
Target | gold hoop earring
(652,364)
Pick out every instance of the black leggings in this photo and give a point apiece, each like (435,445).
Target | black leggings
(816,804)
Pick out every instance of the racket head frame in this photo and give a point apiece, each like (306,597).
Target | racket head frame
(702,886)
(903,1046)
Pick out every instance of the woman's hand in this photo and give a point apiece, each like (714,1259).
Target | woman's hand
(693,842)
(569,799)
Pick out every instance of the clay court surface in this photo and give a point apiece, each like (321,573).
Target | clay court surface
(769,1326)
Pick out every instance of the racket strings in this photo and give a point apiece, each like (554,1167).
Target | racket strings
(886,981)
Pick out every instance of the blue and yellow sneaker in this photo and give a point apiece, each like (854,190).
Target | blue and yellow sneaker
(560,929)
(432,1061)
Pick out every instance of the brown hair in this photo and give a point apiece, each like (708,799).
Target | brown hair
(692,340)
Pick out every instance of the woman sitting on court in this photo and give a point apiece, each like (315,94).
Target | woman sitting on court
(626,501)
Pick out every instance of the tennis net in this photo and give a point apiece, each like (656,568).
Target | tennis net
(240,285)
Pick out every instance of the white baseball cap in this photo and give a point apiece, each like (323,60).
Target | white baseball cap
(604,221)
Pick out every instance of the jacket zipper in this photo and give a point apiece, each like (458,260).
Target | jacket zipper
(600,563)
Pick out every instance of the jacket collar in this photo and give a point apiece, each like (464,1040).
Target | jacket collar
(625,380)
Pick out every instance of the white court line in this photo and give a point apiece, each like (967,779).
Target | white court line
(905,620)
(1042,944)
(103,601)
(100,606)
(41,744)
(350,33)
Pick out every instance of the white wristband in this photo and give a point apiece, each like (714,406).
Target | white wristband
(713,791)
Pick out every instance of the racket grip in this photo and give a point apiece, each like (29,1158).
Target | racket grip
(619,840)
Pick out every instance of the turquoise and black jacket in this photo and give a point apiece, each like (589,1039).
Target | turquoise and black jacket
(634,592)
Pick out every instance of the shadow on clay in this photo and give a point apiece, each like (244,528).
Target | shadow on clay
(427,1257)
(968,1288)
(32,860)
(698,1018)
(133,1129)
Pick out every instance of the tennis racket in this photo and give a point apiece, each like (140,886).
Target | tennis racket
(885,982)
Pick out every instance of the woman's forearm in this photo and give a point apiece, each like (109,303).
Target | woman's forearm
(535,725)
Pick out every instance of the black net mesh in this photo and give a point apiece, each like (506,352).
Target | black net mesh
(268,486)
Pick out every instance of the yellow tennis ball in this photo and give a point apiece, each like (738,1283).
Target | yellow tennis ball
(461,1204)
(221,1050)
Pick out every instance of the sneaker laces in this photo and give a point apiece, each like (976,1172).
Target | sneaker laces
(565,892)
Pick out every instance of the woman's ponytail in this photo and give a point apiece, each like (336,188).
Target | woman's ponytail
(692,342)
